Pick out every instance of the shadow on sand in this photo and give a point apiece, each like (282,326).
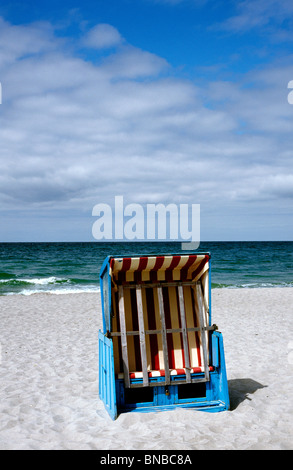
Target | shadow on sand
(239,389)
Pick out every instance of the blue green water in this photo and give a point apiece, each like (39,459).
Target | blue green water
(27,268)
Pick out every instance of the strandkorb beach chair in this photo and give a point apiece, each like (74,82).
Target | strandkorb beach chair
(158,349)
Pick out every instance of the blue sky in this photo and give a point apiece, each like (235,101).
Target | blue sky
(161,101)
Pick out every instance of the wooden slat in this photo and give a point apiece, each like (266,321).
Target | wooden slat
(161,284)
(184,333)
(164,336)
(168,330)
(123,338)
(198,290)
(178,382)
(142,342)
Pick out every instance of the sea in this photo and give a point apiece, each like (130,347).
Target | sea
(60,268)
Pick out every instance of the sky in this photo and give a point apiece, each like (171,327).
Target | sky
(158,101)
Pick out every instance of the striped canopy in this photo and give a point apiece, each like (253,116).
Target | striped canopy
(158,268)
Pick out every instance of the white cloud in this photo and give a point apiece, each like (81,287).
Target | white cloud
(261,14)
(102,36)
(130,62)
(21,41)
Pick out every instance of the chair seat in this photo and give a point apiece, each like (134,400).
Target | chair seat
(161,373)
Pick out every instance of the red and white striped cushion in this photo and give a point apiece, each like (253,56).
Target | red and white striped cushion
(161,373)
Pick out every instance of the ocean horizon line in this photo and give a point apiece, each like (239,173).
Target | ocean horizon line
(97,242)
(33,267)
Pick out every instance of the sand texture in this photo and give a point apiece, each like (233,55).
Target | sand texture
(49,378)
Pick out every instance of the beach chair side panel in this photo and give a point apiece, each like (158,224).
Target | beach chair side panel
(220,363)
(107,386)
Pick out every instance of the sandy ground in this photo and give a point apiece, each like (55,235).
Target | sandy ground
(49,378)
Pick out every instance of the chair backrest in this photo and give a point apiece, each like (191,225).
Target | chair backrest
(152,322)
(150,297)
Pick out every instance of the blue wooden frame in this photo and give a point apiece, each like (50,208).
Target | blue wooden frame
(210,396)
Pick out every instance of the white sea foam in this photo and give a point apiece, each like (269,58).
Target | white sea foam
(42,281)
(50,285)
(59,291)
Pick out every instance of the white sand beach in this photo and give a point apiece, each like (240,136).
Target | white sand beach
(49,378)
